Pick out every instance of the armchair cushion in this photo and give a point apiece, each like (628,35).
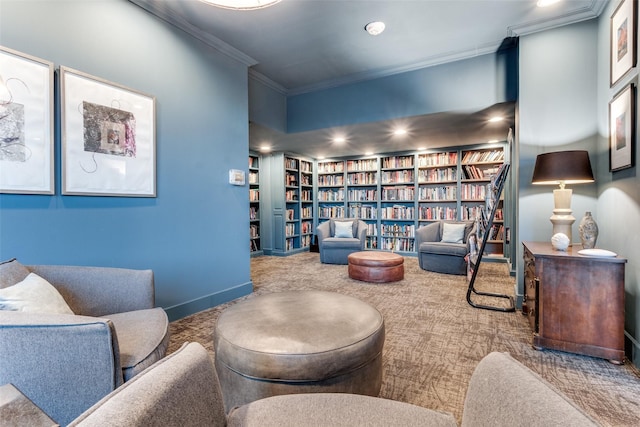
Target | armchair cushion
(453,233)
(343,229)
(333,221)
(33,294)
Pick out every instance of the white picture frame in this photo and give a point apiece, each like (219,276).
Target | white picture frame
(622,48)
(26,124)
(108,138)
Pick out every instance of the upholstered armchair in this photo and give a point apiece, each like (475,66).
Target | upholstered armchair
(105,331)
(339,237)
(443,245)
(183,389)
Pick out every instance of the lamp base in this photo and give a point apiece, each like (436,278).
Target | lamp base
(562,218)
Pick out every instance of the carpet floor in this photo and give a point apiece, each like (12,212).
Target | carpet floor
(434,339)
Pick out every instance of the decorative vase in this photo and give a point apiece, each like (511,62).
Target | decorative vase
(588,229)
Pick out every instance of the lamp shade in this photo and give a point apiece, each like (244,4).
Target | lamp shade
(563,167)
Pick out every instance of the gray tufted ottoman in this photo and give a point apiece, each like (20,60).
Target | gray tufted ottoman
(298,342)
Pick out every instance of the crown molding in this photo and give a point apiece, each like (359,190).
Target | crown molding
(196,32)
(583,14)
(255,75)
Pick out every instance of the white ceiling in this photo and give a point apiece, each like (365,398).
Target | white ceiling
(297,46)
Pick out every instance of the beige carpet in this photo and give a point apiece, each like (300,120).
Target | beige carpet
(434,339)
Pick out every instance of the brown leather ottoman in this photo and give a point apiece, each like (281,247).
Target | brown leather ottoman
(376,267)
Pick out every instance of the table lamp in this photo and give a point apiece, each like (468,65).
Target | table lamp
(561,168)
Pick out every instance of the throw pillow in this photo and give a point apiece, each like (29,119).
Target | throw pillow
(12,272)
(452,233)
(33,294)
(344,229)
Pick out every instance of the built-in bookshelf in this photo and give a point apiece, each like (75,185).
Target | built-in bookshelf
(306,203)
(255,243)
(331,190)
(362,196)
(478,168)
(396,194)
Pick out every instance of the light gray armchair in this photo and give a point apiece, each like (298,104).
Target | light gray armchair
(336,247)
(65,363)
(440,253)
(183,389)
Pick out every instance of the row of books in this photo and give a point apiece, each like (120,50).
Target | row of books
(333,180)
(254,213)
(254,195)
(253,177)
(397,230)
(397,177)
(398,193)
(398,212)
(331,211)
(437,175)
(432,213)
(331,195)
(331,167)
(475,172)
(362,178)
(362,165)
(473,191)
(483,156)
(254,231)
(394,162)
(290,163)
(438,159)
(443,193)
(362,195)
(398,245)
(363,211)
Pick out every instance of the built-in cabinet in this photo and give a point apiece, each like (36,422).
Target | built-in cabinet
(394,194)
(290,202)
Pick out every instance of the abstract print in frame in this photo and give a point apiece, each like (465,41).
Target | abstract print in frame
(108,138)
(622,129)
(26,124)
(622,47)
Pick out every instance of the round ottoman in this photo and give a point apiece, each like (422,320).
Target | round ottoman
(376,267)
(298,342)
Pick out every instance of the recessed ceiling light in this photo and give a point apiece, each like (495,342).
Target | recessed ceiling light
(422,148)
(375,28)
(400,131)
(496,119)
(545,3)
(320,157)
(242,4)
(339,139)
(492,141)
(265,148)
(368,153)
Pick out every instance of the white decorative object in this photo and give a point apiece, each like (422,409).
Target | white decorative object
(598,253)
(560,242)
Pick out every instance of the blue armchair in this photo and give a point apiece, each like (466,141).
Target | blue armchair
(337,238)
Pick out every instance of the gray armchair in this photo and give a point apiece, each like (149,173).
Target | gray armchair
(335,249)
(183,389)
(65,363)
(440,256)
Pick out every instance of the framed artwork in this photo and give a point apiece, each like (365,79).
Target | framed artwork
(26,124)
(108,138)
(622,40)
(622,129)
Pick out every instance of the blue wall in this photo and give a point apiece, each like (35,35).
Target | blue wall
(194,235)
(466,85)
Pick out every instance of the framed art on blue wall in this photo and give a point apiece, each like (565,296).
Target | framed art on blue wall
(26,124)
(622,129)
(108,138)
(622,40)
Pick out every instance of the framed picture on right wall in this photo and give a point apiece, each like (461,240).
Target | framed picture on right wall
(622,40)
(622,129)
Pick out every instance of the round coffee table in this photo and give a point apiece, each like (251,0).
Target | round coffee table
(376,266)
(298,342)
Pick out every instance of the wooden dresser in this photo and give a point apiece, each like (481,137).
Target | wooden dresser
(575,303)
